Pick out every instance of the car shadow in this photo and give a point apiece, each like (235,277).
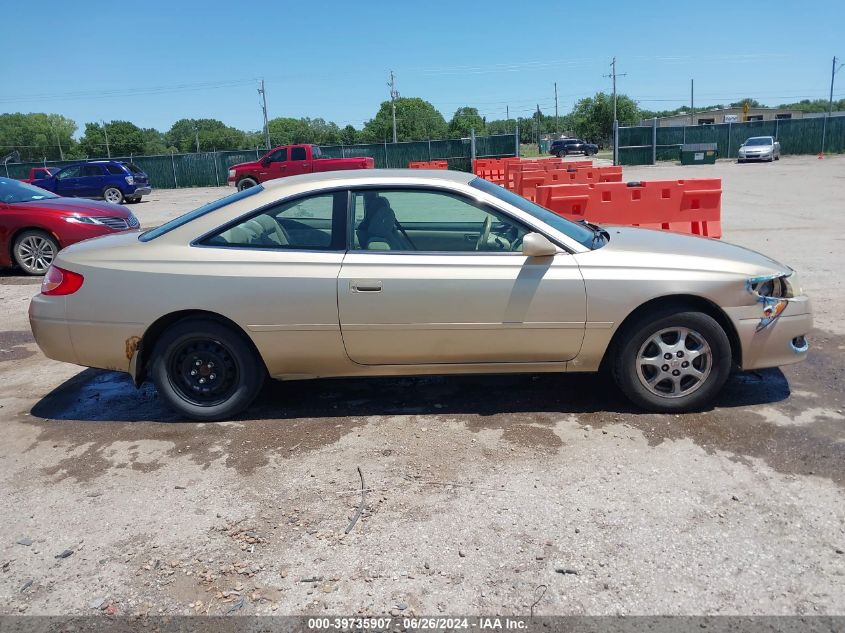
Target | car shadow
(103,396)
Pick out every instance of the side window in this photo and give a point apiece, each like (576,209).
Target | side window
(417,220)
(115,170)
(279,156)
(314,223)
(70,172)
(297,153)
(91,170)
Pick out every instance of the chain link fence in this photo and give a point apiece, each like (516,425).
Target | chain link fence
(636,144)
(209,169)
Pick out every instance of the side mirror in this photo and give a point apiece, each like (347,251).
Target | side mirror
(537,245)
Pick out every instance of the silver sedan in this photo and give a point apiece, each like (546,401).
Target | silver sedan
(404,272)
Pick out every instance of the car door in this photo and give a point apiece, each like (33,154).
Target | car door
(422,285)
(277,276)
(274,165)
(67,181)
(91,182)
(299,162)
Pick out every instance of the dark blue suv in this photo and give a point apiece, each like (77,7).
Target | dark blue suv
(113,180)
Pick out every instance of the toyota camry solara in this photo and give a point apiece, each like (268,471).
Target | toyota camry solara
(401,272)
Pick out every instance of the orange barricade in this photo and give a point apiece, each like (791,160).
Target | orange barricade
(428,164)
(492,169)
(685,206)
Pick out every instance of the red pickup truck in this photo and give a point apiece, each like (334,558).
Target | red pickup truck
(36,173)
(290,160)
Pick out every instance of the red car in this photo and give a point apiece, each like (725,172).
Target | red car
(35,224)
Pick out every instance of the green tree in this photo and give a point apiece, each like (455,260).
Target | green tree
(464,120)
(416,120)
(37,136)
(154,142)
(592,117)
(124,138)
(349,135)
(209,134)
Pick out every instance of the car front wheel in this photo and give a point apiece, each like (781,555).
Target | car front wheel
(246,183)
(205,370)
(561,153)
(34,251)
(672,362)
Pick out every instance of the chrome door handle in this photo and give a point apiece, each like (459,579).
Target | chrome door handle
(365,285)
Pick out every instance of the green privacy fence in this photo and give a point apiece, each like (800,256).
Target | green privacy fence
(457,152)
(796,136)
(209,169)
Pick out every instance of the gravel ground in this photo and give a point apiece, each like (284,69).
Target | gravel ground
(478,489)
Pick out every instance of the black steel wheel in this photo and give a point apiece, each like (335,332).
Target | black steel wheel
(206,370)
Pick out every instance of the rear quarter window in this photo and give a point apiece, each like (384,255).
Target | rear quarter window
(115,170)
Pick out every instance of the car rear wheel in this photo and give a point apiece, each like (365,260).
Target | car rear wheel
(205,370)
(246,183)
(113,195)
(34,251)
(669,362)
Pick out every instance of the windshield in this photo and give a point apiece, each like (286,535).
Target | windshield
(759,140)
(146,236)
(13,191)
(578,232)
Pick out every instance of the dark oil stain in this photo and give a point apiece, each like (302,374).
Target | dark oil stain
(103,407)
(532,436)
(12,345)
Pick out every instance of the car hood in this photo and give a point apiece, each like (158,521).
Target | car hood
(666,249)
(81,207)
(254,164)
(756,148)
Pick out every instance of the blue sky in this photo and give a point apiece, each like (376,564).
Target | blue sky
(154,62)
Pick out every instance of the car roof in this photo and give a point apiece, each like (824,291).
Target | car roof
(372,176)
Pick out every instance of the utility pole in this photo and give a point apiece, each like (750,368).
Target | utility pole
(263,94)
(614,75)
(557,124)
(106,134)
(692,101)
(833,71)
(59,142)
(197,137)
(538,127)
(393,96)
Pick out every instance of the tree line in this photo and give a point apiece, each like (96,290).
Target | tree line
(38,136)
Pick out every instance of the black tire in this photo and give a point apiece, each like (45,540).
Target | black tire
(225,355)
(712,360)
(246,183)
(34,251)
(113,195)
(561,153)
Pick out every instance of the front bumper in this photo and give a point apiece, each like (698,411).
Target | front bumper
(782,342)
(767,156)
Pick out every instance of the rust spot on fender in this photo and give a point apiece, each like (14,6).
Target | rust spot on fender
(132,345)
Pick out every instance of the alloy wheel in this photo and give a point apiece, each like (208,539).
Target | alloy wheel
(36,253)
(674,362)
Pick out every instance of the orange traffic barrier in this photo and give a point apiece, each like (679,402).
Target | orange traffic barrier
(492,169)
(428,164)
(685,206)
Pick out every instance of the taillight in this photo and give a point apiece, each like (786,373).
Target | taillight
(59,281)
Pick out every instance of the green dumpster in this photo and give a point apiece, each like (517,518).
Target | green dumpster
(698,154)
